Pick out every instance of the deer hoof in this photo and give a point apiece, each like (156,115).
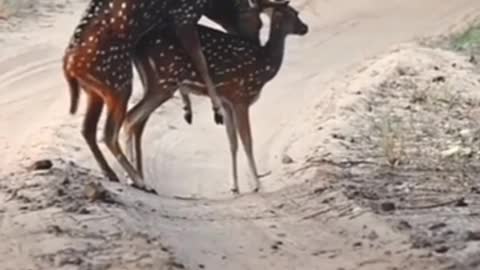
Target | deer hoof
(151,191)
(218,118)
(188,118)
(143,188)
(111,176)
(256,190)
(235,190)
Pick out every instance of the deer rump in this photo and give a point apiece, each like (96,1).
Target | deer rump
(230,59)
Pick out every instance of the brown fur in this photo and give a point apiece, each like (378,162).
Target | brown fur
(238,67)
(98,59)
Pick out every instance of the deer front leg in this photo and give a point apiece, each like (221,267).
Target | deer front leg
(233,141)
(189,39)
(242,122)
(137,118)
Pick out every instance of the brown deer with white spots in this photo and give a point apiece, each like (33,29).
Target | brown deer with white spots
(99,57)
(239,68)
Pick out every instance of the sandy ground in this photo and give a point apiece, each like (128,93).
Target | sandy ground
(309,216)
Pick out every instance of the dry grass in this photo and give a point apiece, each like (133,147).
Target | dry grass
(420,133)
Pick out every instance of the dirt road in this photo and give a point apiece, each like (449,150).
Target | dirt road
(277,229)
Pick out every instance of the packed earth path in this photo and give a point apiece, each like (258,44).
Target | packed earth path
(300,220)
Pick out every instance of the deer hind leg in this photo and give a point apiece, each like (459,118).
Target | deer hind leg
(187,105)
(116,110)
(89,132)
(242,121)
(190,41)
(137,118)
(233,141)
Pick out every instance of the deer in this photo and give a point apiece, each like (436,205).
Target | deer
(240,69)
(98,58)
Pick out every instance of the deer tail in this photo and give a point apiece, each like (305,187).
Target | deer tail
(74,88)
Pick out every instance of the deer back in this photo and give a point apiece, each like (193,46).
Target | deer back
(231,59)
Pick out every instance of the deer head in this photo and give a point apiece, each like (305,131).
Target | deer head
(286,19)
(248,22)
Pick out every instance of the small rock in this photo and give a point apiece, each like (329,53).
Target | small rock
(466,133)
(328,200)
(437,226)
(467,152)
(60,192)
(461,203)
(54,229)
(472,236)
(276,245)
(357,244)
(286,159)
(372,236)
(387,206)
(448,233)
(177,265)
(67,260)
(338,136)
(41,165)
(428,254)
(94,191)
(83,211)
(319,190)
(472,59)
(442,249)
(65,181)
(439,79)
(401,71)
(332,256)
(421,243)
(475,190)
(451,151)
(201,266)
(279,206)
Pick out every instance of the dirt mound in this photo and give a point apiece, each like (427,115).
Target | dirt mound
(63,218)
(406,136)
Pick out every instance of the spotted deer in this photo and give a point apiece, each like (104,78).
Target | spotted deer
(239,68)
(99,57)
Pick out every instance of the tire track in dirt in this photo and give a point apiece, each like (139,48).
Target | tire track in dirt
(33,81)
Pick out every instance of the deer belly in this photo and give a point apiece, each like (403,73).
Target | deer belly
(194,87)
(199,88)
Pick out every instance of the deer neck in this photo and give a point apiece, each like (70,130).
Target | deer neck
(274,49)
